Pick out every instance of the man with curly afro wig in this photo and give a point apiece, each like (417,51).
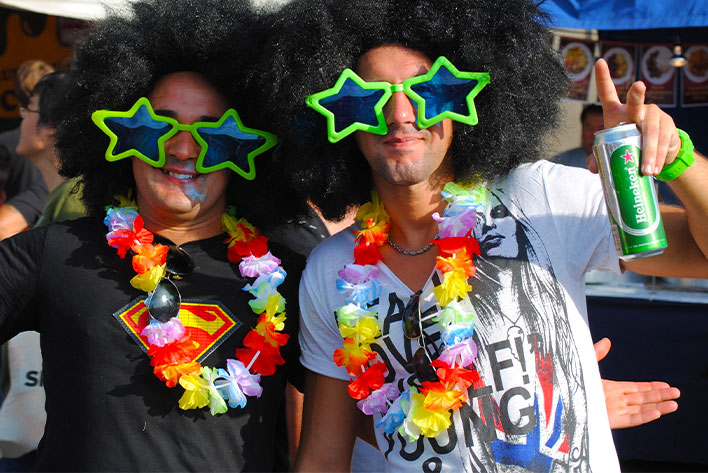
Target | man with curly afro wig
(453,318)
(174,358)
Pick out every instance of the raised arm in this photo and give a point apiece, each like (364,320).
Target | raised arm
(686,228)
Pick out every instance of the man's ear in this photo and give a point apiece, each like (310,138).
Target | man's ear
(47,131)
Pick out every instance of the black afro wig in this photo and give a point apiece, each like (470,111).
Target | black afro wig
(122,58)
(312,41)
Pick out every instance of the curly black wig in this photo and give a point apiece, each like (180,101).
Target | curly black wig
(312,41)
(123,57)
(51,90)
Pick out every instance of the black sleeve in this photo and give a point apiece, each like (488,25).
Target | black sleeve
(301,236)
(20,264)
(25,188)
(293,263)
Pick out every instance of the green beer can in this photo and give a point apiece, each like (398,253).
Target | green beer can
(631,198)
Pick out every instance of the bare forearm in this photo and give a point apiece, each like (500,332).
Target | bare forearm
(692,189)
(686,229)
(11,221)
(330,421)
(366,431)
(293,409)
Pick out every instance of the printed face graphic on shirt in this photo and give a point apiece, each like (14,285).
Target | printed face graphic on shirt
(497,231)
(529,411)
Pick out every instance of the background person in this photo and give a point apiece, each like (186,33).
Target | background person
(37,145)
(591,122)
(26,190)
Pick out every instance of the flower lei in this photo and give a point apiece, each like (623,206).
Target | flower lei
(171,351)
(416,411)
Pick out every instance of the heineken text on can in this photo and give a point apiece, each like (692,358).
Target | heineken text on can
(631,198)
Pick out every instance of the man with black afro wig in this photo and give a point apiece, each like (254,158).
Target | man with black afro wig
(174,358)
(453,318)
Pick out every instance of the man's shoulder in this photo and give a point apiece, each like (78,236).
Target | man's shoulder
(338,246)
(85,229)
(542,183)
(331,255)
(575,157)
(541,172)
(525,175)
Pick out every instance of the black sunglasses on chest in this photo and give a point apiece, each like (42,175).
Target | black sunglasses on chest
(413,330)
(165,301)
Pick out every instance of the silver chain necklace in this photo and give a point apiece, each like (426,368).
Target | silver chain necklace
(411,252)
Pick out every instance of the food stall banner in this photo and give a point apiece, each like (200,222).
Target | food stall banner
(694,76)
(622,60)
(656,71)
(578,59)
(626,14)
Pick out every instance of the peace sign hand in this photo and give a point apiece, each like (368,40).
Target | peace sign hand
(660,140)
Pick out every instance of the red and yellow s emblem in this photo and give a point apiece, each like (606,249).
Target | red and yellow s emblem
(207,323)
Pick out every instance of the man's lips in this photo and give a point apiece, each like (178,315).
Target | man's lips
(402,139)
(180,174)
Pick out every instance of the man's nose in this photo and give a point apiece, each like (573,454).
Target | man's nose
(399,109)
(182,146)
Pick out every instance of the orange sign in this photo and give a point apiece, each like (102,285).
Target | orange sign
(207,323)
(24,36)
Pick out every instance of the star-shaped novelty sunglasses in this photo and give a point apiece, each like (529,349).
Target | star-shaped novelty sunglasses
(141,133)
(443,92)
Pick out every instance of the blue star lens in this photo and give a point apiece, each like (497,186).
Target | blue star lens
(353,104)
(228,143)
(445,93)
(139,132)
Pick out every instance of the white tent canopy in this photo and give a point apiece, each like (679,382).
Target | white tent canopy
(79,9)
(87,9)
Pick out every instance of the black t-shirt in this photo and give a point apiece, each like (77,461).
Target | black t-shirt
(25,188)
(106,410)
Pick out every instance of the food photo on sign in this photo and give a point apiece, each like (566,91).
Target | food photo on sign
(621,59)
(578,60)
(694,80)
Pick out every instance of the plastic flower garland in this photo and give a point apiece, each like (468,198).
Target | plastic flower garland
(425,411)
(171,351)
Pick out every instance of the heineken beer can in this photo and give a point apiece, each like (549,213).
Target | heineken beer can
(631,198)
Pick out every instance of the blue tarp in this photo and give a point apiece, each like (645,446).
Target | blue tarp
(627,14)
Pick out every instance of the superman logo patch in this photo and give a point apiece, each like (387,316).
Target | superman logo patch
(207,323)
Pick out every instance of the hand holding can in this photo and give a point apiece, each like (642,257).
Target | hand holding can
(631,198)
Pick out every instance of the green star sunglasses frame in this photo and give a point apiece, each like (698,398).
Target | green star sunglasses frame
(141,133)
(354,104)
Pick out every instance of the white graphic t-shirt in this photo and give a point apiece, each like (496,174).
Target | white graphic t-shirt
(539,405)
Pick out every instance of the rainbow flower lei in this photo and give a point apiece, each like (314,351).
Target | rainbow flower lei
(171,351)
(425,411)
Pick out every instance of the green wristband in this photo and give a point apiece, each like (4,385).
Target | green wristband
(683,160)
